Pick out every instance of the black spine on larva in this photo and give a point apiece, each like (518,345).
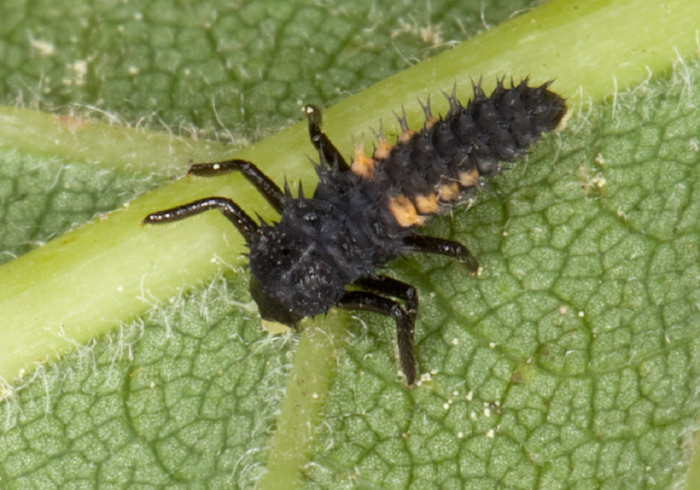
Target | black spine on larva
(486,131)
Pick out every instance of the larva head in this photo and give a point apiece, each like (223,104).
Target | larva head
(291,277)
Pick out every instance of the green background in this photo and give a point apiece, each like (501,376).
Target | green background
(571,361)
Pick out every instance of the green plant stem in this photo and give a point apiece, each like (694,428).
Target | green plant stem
(312,372)
(119,147)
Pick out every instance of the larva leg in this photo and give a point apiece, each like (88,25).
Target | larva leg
(362,300)
(245,225)
(434,245)
(327,151)
(255,176)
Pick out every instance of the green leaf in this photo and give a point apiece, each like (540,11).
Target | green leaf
(572,360)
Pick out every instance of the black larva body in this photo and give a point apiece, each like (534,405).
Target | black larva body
(322,244)
(363,215)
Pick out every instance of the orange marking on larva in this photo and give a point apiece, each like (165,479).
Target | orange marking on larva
(427,204)
(448,192)
(469,179)
(383,149)
(405,212)
(362,165)
(406,135)
(430,122)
